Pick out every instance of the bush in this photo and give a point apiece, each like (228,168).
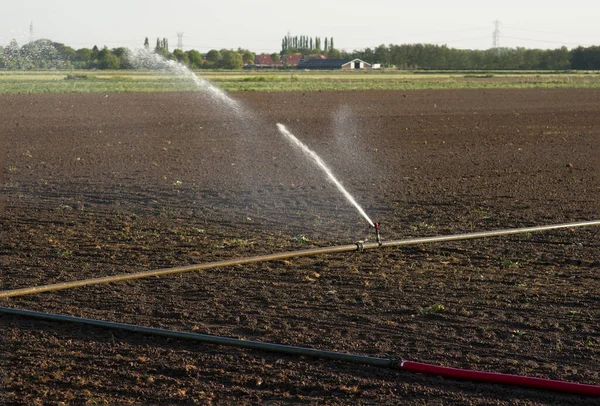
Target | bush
(76,76)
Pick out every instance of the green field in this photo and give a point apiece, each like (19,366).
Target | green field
(279,81)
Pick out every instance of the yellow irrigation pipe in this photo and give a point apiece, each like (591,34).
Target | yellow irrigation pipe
(284,255)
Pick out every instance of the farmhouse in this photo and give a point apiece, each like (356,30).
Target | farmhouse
(292,60)
(266,61)
(333,64)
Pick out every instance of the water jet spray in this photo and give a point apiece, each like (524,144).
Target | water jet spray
(146,59)
(317,159)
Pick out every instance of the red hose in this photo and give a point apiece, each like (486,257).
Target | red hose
(492,377)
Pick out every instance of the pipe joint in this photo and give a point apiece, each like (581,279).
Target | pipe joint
(395,362)
(360,245)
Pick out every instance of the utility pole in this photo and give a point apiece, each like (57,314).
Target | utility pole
(180,40)
(31,32)
(496,35)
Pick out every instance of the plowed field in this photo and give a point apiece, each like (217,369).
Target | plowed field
(97,185)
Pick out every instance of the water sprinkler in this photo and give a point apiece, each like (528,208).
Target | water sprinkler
(359,246)
(377,234)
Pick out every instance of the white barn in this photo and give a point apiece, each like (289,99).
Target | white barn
(356,64)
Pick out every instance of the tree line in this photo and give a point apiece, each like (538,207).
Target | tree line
(309,45)
(45,54)
(440,57)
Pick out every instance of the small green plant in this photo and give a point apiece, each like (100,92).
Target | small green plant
(436,308)
(518,333)
(64,253)
(12,168)
(300,239)
(507,263)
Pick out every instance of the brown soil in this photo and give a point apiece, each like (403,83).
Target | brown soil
(98,185)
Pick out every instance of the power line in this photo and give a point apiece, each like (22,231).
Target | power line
(530,30)
(545,41)
(464,39)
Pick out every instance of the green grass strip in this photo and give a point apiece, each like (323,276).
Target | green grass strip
(276,81)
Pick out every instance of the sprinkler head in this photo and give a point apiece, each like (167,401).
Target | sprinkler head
(377,233)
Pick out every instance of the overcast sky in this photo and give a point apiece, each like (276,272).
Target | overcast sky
(259,25)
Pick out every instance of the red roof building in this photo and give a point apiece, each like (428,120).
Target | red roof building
(292,59)
(266,61)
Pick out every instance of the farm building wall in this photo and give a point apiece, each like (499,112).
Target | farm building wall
(356,64)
